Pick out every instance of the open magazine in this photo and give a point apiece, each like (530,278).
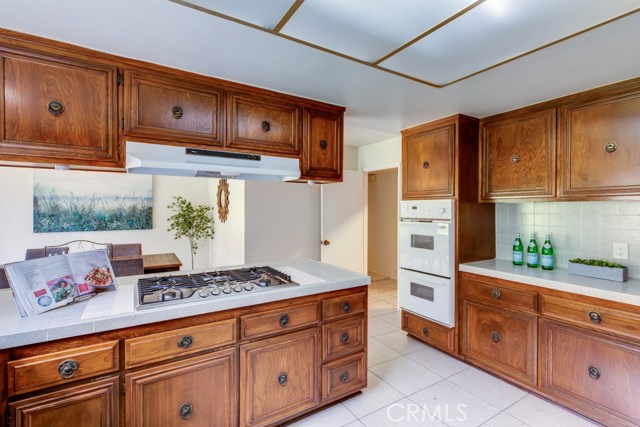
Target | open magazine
(43,284)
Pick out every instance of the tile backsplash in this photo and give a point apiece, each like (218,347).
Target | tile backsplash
(578,229)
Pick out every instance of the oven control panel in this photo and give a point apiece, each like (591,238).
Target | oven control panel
(417,210)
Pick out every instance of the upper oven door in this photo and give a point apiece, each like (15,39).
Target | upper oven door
(425,247)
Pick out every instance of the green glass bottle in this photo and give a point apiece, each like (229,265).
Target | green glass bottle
(546,259)
(532,253)
(518,251)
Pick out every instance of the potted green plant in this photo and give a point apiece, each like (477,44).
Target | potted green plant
(598,268)
(193,222)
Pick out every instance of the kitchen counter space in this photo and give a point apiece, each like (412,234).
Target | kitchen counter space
(116,310)
(626,292)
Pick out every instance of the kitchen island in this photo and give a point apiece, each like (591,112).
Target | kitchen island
(254,359)
(574,340)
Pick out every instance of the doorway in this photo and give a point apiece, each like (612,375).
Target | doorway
(382,224)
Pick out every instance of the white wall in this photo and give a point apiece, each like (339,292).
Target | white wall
(382,208)
(16,218)
(350,158)
(578,229)
(381,155)
(282,221)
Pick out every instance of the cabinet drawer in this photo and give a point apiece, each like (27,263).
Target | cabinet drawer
(167,345)
(430,332)
(592,316)
(278,321)
(169,109)
(344,376)
(343,337)
(37,372)
(263,125)
(500,295)
(335,308)
(591,370)
(501,340)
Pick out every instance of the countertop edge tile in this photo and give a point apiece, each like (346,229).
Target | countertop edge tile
(559,279)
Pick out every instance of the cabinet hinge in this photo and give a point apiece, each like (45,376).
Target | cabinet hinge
(122,123)
(120,79)
(122,387)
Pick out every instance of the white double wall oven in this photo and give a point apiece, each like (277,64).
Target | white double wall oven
(426,273)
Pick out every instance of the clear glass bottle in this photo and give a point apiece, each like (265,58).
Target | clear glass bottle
(533,258)
(518,251)
(547,261)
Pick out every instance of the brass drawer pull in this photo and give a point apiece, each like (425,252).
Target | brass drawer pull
(345,338)
(495,293)
(594,372)
(284,320)
(323,144)
(515,159)
(346,307)
(56,107)
(495,336)
(283,378)
(425,332)
(266,126)
(595,317)
(425,164)
(610,146)
(185,411)
(344,377)
(177,112)
(68,368)
(185,342)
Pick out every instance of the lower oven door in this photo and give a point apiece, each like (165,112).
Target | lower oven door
(427,296)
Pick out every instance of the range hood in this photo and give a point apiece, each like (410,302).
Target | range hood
(155,159)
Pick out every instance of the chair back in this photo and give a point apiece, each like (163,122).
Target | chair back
(78,246)
(126,249)
(4,282)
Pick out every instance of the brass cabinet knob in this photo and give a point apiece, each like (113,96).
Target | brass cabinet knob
(495,336)
(185,411)
(55,107)
(283,378)
(177,112)
(185,342)
(610,146)
(68,368)
(266,126)
(515,159)
(595,317)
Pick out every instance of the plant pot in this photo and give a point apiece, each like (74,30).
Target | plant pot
(606,273)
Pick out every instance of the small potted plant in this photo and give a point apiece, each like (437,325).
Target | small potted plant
(194,223)
(599,269)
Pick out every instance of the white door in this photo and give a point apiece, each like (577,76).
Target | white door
(342,223)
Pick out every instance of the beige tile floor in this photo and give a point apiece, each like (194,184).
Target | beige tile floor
(411,384)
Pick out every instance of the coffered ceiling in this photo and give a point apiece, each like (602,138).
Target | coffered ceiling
(393,64)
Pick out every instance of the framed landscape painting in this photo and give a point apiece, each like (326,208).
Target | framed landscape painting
(91,201)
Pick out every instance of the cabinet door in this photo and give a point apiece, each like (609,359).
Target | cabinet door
(173,110)
(89,405)
(501,340)
(200,391)
(428,163)
(278,378)
(322,148)
(263,125)
(599,151)
(590,371)
(58,110)
(518,156)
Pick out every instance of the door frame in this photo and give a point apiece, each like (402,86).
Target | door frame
(397,166)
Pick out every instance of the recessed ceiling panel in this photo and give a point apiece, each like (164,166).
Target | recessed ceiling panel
(499,30)
(368,29)
(265,13)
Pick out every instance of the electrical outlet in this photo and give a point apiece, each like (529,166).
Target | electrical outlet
(621,250)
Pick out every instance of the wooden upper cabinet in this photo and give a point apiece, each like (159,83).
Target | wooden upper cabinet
(167,108)
(428,155)
(322,149)
(263,125)
(58,110)
(599,147)
(518,152)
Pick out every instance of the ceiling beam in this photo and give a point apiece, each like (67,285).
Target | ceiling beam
(292,10)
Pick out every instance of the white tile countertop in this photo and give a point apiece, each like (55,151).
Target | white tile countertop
(116,310)
(626,292)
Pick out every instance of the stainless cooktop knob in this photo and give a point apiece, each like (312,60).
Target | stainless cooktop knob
(204,292)
(249,286)
(237,287)
(215,290)
(226,289)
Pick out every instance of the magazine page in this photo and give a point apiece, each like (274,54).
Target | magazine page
(92,270)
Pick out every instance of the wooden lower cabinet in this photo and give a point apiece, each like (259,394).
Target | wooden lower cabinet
(428,331)
(501,339)
(200,391)
(343,377)
(278,378)
(88,405)
(589,370)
